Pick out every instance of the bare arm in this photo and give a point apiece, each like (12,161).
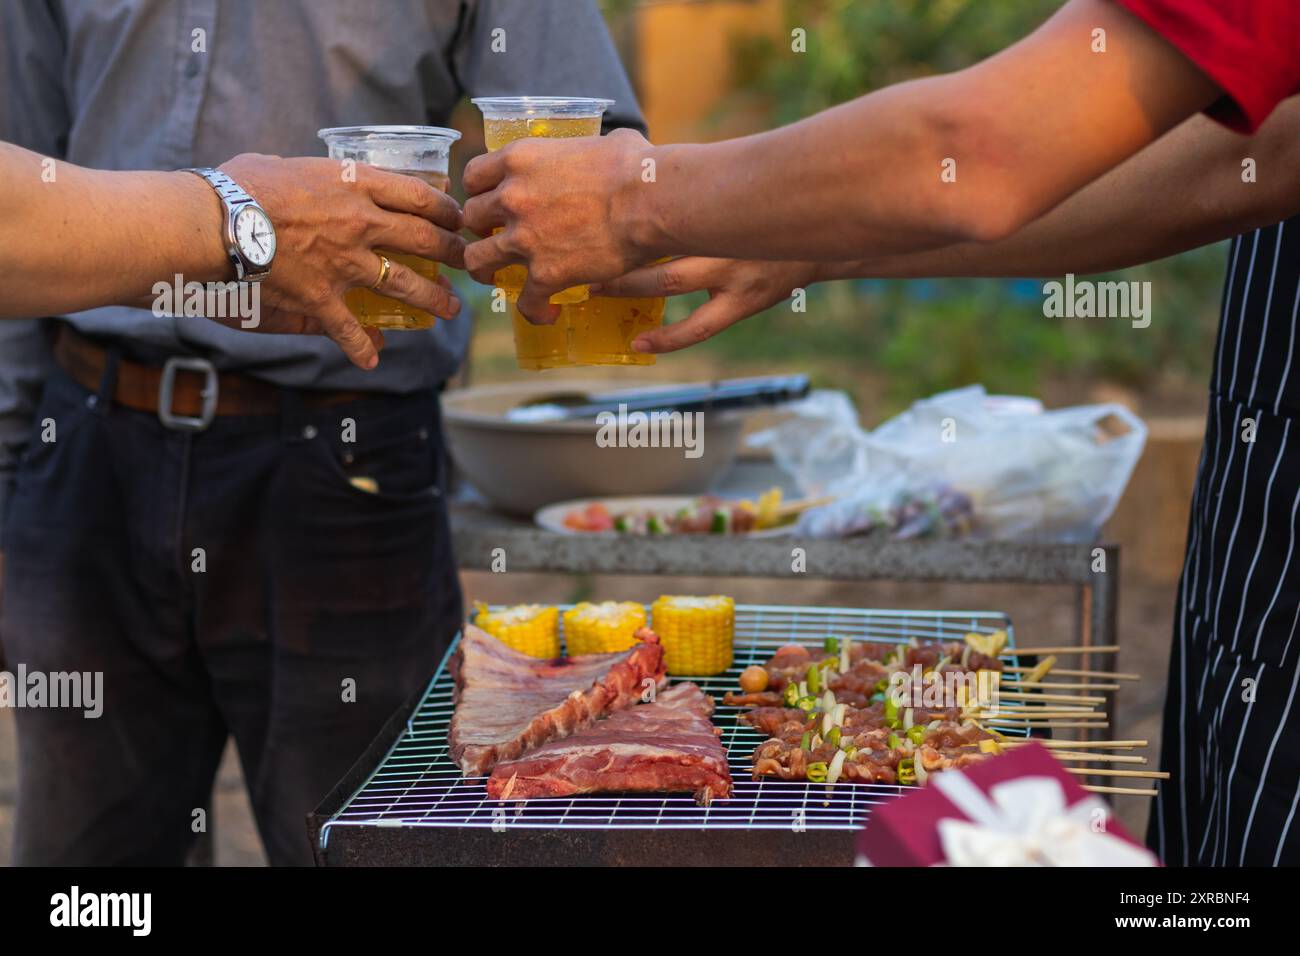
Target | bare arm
(74,238)
(1183,191)
(147,225)
(1025,129)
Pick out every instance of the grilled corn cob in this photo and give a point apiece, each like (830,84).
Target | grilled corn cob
(696,632)
(531,629)
(602,628)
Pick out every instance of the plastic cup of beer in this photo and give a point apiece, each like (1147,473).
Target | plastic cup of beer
(420,151)
(508,118)
(601,330)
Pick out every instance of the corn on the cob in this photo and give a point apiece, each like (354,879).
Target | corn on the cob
(696,632)
(602,628)
(531,629)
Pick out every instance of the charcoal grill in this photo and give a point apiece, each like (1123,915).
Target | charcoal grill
(407,802)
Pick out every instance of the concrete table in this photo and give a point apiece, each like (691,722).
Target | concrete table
(480,534)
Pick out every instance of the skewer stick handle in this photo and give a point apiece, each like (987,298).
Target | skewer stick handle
(1051,742)
(1107,772)
(1067,756)
(1057,685)
(1059,724)
(1063,698)
(1060,672)
(1129,790)
(1075,649)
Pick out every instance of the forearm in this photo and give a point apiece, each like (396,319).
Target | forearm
(867,178)
(88,238)
(1183,191)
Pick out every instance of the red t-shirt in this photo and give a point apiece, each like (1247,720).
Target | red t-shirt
(1250,48)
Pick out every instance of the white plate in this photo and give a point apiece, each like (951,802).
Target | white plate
(551,517)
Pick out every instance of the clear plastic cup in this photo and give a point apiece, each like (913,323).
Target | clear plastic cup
(506,119)
(421,151)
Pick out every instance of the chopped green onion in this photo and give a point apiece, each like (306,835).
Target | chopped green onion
(906,771)
(882,685)
(805,740)
(916,734)
(806,704)
(817,772)
(814,679)
(620,524)
(831,645)
(791,696)
(833,737)
(891,709)
(654,526)
(894,742)
(721,521)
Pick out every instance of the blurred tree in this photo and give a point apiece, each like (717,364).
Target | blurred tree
(853,47)
(940,334)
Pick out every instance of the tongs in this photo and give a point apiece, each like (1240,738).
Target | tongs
(734,393)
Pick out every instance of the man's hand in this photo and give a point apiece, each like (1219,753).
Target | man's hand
(737,289)
(326,233)
(565,208)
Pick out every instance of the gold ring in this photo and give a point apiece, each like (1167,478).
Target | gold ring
(384,266)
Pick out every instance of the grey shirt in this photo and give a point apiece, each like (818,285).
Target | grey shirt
(166,84)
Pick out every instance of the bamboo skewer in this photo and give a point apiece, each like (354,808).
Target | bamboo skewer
(1060,724)
(1023,710)
(1063,698)
(1051,742)
(1056,685)
(996,713)
(1061,672)
(1124,790)
(1065,755)
(1106,772)
(1076,649)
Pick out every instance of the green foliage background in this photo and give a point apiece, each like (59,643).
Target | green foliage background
(922,337)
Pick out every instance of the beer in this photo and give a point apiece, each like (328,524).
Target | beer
(421,151)
(508,118)
(379,311)
(601,330)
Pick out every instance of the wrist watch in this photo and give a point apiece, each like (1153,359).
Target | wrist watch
(249,235)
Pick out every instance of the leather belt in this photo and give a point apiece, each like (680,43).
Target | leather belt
(187,392)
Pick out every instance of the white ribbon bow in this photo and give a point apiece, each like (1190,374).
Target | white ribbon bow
(1026,822)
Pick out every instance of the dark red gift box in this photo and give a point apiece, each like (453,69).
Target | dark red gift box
(905,832)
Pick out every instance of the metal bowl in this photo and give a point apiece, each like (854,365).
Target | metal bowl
(521,466)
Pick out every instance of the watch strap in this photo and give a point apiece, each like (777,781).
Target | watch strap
(233,197)
(230,191)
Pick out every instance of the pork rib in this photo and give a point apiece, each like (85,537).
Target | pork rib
(508,702)
(668,746)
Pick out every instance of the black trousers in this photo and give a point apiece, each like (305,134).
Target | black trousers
(232,582)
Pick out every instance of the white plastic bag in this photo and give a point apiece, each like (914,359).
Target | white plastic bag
(1029,474)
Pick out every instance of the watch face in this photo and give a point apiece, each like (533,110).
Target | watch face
(255,236)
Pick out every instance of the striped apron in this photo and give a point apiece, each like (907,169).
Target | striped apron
(1231,737)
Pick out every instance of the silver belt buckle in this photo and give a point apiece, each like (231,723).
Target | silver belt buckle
(167,386)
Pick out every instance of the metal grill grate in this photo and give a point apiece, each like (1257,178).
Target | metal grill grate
(417,784)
